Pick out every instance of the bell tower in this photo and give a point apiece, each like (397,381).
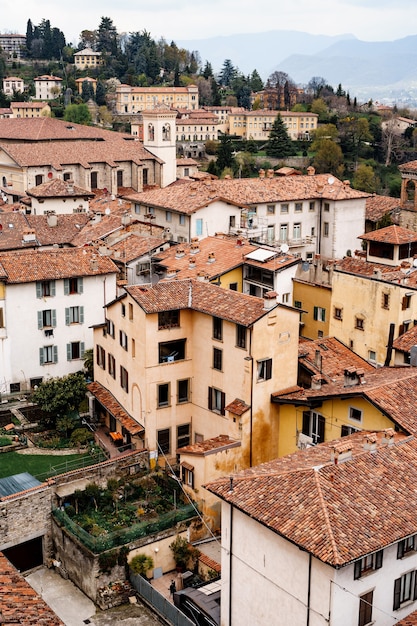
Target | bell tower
(159,137)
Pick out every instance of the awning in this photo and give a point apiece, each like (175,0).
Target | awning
(187,466)
(109,402)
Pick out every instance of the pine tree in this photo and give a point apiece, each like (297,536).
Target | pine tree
(224,154)
(279,143)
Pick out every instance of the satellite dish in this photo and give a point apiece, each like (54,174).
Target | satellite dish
(107,211)
(284,248)
(330,180)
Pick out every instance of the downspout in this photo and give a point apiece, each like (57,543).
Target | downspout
(309,590)
(389,345)
(230,564)
(320,224)
(251,401)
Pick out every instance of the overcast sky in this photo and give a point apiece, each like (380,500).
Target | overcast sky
(369,20)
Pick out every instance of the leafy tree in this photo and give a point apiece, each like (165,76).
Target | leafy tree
(57,397)
(140,564)
(365,179)
(325,131)
(284,87)
(88,39)
(66,424)
(329,158)
(78,113)
(320,107)
(80,437)
(100,93)
(224,154)
(316,85)
(279,143)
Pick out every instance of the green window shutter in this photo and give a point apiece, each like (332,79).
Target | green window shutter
(55,357)
(53,316)
(323,315)
(40,319)
(67,316)
(66,286)
(397,593)
(82,349)
(53,288)
(80,285)
(41,356)
(68,352)
(81,315)
(315,312)
(38,289)
(210,399)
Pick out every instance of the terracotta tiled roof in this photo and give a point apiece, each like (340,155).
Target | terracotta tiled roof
(337,512)
(207,298)
(206,560)
(227,255)
(47,128)
(359,266)
(186,161)
(391,234)
(58,188)
(391,389)
(237,407)
(210,446)
(410,620)
(405,342)
(19,602)
(378,206)
(25,266)
(14,226)
(188,197)
(110,403)
(133,245)
(329,358)
(28,105)
(410,166)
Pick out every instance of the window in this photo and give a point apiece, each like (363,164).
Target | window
(111,361)
(372,356)
(183,391)
(101,356)
(283,232)
(123,310)
(327,206)
(284,208)
(314,426)
(187,476)
(45,288)
(38,179)
(319,314)
(345,431)
(285,298)
(124,378)
(217,359)
(48,354)
(130,311)
(46,319)
(298,304)
(119,175)
(298,207)
(110,328)
(74,315)
(164,440)
(232,221)
(217,328)
(326,229)
(170,351)
(368,564)
(168,216)
(199,227)
(1,317)
(355,414)
(406,302)
(240,336)
(406,546)
(404,589)
(296,231)
(73,285)
(123,340)
(181,220)
(168,319)
(233,286)
(75,350)
(312,206)
(216,400)
(270,209)
(359,323)
(338,313)
(163,395)
(93,180)
(183,435)
(264,369)
(365,608)
(385,300)
(133,348)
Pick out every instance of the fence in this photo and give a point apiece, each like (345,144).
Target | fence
(83,461)
(159,603)
(127,535)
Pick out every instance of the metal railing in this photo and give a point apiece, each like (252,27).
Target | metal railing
(159,603)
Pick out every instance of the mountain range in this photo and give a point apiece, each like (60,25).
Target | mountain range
(383,70)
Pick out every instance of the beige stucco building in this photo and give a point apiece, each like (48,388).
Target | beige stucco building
(135,99)
(87,58)
(257,124)
(47,87)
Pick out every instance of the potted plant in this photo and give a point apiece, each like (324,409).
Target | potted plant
(185,555)
(141,564)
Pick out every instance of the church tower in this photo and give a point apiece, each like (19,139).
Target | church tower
(159,137)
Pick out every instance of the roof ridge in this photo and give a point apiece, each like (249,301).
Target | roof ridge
(337,558)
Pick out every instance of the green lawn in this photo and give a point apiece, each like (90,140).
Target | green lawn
(39,465)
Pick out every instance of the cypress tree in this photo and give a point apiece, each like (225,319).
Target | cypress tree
(279,143)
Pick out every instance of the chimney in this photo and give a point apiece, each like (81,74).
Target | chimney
(202,277)
(270,173)
(270,300)
(388,437)
(52,220)
(179,253)
(311,171)
(261,173)
(318,360)
(70,186)
(413,356)
(316,382)
(211,257)
(340,452)
(191,264)
(354,377)
(195,247)
(94,263)
(370,441)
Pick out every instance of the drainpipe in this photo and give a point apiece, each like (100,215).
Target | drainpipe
(389,345)
(230,564)
(309,590)
(250,357)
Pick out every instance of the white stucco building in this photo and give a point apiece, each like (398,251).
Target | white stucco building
(49,299)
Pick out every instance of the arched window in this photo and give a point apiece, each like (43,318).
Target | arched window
(166,132)
(151,132)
